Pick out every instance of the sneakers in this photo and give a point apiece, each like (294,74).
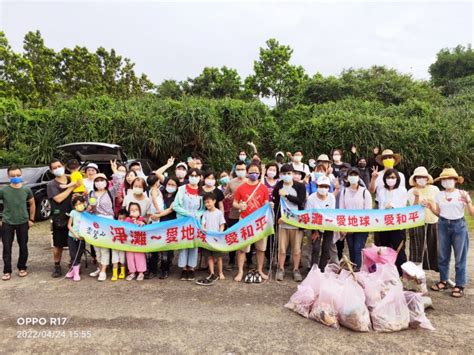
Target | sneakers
(56,271)
(102,276)
(280,275)
(208,281)
(130,277)
(184,275)
(95,273)
(297,276)
(191,275)
(163,275)
(140,277)
(150,275)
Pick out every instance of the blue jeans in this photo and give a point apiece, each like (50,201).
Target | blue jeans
(188,258)
(453,233)
(356,242)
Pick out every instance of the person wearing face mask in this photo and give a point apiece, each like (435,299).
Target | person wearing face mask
(296,161)
(294,194)
(180,172)
(364,171)
(75,176)
(319,170)
(167,214)
(270,177)
(102,202)
(337,162)
(323,247)
(60,200)
(119,172)
(223,183)
(393,195)
(91,171)
(188,202)
(450,205)
(136,166)
(355,197)
(209,186)
(424,239)
(248,198)
(234,215)
(16,219)
(76,243)
(280,159)
(138,195)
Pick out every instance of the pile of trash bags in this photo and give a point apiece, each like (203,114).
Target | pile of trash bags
(373,299)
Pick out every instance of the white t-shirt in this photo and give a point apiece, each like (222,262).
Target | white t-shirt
(212,221)
(379,186)
(89,185)
(397,198)
(145,204)
(313,201)
(450,204)
(301,167)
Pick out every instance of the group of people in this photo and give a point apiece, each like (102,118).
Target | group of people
(221,200)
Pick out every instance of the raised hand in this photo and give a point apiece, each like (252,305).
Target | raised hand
(375,171)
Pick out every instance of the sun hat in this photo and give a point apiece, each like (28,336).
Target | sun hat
(323,158)
(387,152)
(420,172)
(449,173)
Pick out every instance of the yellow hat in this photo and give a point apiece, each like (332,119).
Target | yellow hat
(388,152)
(450,173)
(420,172)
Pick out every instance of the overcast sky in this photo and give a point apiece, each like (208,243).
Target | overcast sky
(177,40)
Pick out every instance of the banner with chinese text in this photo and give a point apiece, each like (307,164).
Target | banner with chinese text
(354,220)
(176,234)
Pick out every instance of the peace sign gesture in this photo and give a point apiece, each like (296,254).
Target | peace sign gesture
(375,171)
(465,198)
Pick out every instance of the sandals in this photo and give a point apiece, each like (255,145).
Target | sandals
(457,292)
(440,286)
(6,277)
(23,273)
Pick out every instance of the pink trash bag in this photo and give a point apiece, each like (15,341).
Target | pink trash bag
(324,308)
(377,255)
(416,307)
(302,300)
(391,314)
(352,312)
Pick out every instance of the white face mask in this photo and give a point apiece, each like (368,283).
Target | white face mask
(210,182)
(58,171)
(297,158)
(323,191)
(242,157)
(421,182)
(448,184)
(240,173)
(137,191)
(180,174)
(271,174)
(120,174)
(353,180)
(170,189)
(391,182)
(101,185)
(194,180)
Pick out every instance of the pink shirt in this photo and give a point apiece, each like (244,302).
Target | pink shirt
(355,200)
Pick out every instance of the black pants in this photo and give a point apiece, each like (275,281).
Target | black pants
(76,249)
(7,240)
(232,253)
(166,260)
(340,248)
(393,239)
(321,249)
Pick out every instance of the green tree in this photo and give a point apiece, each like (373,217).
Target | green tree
(274,76)
(452,64)
(169,89)
(43,62)
(215,83)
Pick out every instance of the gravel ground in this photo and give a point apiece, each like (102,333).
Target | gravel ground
(174,316)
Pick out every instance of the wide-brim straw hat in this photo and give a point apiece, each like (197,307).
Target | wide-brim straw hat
(100,176)
(323,158)
(387,152)
(449,173)
(420,172)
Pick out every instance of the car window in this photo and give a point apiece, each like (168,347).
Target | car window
(30,175)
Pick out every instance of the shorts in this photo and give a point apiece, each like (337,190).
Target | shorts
(216,254)
(118,256)
(60,236)
(293,237)
(103,255)
(261,245)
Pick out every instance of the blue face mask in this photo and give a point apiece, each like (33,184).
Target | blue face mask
(16,180)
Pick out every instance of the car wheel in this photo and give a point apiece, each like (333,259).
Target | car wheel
(43,209)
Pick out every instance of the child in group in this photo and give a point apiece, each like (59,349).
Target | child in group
(156,207)
(73,167)
(118,256)
(136,261)
(212,221)
(75,243)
